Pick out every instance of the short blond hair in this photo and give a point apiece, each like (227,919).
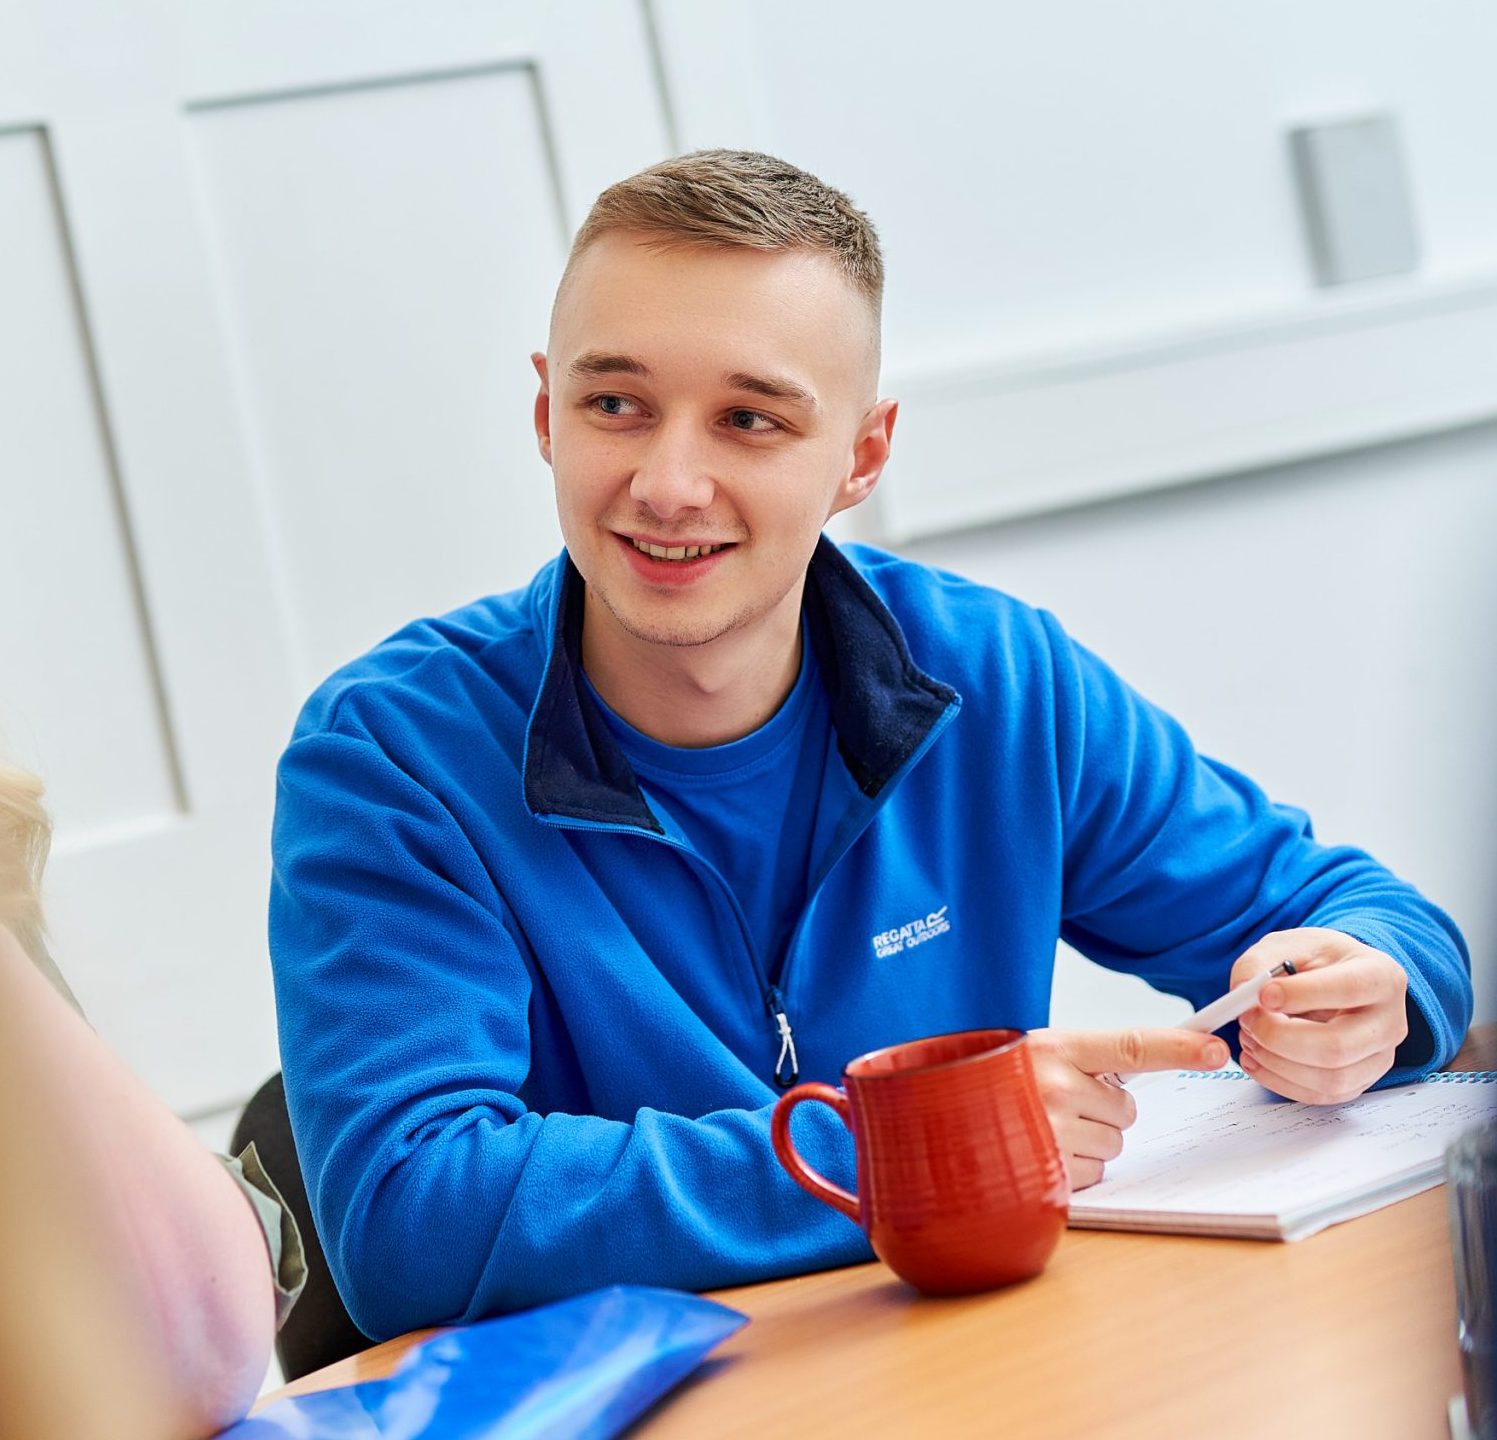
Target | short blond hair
(25,838)
(743,199)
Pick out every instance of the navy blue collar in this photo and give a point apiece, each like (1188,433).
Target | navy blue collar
(883,704)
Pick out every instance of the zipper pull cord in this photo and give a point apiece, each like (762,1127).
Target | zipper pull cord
(787,1042)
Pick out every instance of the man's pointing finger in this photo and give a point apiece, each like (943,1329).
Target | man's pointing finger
(1132,1052)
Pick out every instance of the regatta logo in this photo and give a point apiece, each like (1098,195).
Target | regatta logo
(917,932)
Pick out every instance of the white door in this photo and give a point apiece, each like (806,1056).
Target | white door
(269,275)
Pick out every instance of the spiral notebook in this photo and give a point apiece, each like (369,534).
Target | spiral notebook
(1213,1153)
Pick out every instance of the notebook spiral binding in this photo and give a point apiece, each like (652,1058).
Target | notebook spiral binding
(1443,1077)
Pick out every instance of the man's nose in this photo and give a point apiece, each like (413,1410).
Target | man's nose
(674,474)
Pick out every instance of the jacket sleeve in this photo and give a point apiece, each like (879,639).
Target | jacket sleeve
(438,1195)
(1176,863)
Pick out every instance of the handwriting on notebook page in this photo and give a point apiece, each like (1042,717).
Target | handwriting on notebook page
(1220,1141)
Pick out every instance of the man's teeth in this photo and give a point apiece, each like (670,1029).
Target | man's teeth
(675,552)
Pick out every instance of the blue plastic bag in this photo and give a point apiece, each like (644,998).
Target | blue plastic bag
(584,1367)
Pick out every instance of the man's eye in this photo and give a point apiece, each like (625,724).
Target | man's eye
(612,405)
(751,420)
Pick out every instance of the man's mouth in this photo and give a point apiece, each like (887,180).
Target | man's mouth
(675,552)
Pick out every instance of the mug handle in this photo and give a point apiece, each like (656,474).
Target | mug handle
(809,1180)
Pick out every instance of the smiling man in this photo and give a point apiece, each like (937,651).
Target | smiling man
(710,409)
(571,883)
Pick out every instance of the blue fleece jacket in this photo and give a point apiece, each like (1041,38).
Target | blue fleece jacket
(529,1048)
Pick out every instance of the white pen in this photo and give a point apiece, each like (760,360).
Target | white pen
(1237,1001)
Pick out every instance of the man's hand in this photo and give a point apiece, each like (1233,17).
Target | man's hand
(1325,1034)
(1088,1113)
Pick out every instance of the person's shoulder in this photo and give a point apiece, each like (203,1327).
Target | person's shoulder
(941,606)
(459,662)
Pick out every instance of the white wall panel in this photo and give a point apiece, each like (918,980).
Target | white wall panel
(264,399)
(592,59)
(386,256)
(983,442)
(75,645)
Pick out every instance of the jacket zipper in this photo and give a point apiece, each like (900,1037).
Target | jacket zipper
(786,1067)
(774,1002)
(787,1064)
(776,999)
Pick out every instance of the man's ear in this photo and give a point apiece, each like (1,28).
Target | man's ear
(870,453)
(542,407)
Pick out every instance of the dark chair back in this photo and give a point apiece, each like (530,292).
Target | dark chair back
(318,1331)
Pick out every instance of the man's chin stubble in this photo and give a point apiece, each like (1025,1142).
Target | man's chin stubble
(678,634)
(682,637)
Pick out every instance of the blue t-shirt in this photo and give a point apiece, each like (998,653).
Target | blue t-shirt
(749,807)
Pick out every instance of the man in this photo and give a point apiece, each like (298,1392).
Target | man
(570,882)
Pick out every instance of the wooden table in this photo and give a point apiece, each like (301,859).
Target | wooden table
(1350,1333)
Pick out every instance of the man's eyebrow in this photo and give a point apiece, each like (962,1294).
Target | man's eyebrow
(603,362)
(772,387)
(593,363)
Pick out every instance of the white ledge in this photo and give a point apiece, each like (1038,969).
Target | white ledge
(986,441)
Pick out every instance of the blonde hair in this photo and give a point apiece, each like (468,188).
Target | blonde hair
(745,199)
(25,838)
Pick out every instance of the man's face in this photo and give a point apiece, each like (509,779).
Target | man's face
(704,412)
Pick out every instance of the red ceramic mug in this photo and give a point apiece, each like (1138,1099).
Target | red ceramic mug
(961,1185)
